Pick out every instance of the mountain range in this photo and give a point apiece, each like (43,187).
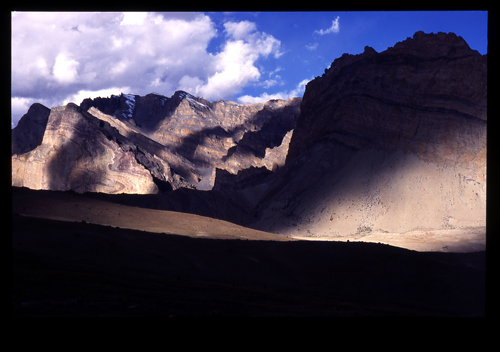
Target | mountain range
(147,144)
(381,142)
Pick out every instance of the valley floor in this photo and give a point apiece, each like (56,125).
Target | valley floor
(80,268)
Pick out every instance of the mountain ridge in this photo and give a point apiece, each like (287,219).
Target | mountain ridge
(180,140)
(391,142)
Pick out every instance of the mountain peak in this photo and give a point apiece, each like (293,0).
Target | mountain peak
(196,101)
(433,45)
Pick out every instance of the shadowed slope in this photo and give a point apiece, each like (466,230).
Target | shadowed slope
(392,141)
(75,269)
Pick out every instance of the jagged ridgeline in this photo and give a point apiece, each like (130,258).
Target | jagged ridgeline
(148,144)
(391,141)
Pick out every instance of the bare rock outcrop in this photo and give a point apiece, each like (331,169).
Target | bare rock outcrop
(80,153)
(390,141)
(425,96)
(382,142)
(162,143)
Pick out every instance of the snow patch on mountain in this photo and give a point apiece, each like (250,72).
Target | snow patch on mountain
(130,102)
(192,99)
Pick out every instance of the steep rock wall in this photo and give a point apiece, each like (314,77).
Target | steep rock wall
(389,141)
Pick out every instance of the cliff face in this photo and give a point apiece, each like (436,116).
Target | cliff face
(425,96)
(389,141)
(82,153)
(134,144)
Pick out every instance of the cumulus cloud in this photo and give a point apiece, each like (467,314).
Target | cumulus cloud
(234,67)
(59,57)
(297,92)
(65,69)
(239,30)
(333,29)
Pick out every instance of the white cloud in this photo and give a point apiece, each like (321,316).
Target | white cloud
(78,97)
(335,28)
(65,69)
(190,84)
(240,30)
(268,83)
(234,67)
(278,69)
(19,107)
(297,92)
(58,56)
(133,18)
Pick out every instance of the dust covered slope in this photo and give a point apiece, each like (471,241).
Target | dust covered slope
(70,206)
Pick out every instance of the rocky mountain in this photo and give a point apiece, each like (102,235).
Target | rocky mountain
(391,141)
(384,142)
(134,144)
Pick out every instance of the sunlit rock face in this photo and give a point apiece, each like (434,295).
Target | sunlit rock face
(134,144)
(389,141)
(75,154)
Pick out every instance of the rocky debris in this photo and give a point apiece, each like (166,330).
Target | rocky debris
(28,133)
(173,142)
(391,141)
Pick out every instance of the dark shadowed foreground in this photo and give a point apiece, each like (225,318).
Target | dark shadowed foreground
(75,268)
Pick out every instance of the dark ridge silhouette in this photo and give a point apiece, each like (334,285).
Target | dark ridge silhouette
(28,134)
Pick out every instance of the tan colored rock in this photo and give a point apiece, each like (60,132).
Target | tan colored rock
(405,98)
(75,155)
(134,144)
(390,142)
(195,135)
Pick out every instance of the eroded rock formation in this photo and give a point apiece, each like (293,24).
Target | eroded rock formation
(134,144)
(82,153)
(392,141)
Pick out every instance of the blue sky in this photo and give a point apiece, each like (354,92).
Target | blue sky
(240,56)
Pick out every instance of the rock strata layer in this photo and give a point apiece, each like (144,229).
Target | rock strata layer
(388,142)
(391,141)
(134,144)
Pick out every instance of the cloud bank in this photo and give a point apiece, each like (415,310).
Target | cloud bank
(59,57)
